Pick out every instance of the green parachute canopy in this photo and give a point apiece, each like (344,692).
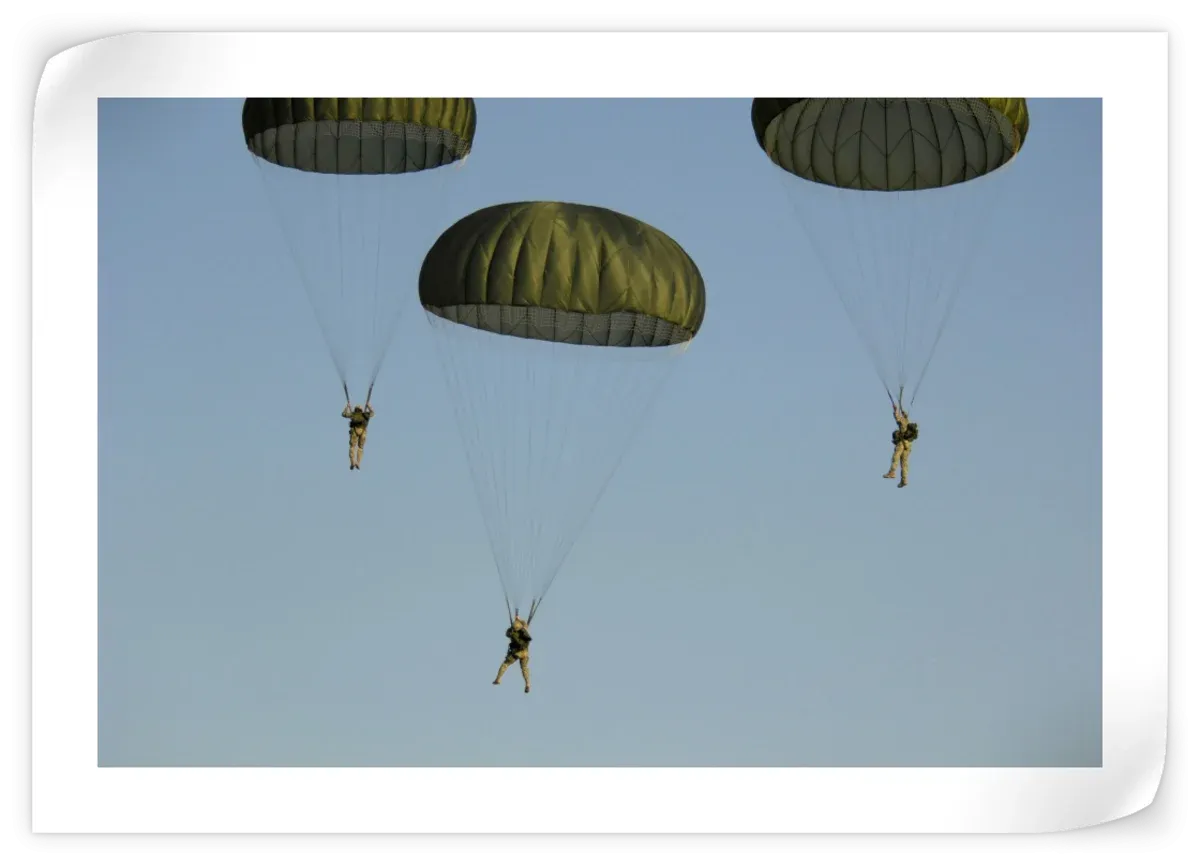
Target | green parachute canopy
(358,189)
(896,197)
(359,136)
(890,144)
(531,304)
(564,273)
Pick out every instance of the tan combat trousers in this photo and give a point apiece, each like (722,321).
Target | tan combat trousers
(509,660)
(358,438)
(900,455)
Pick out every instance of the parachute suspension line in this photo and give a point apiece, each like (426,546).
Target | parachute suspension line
(941,327)
(357,285)
(955,290)
(951,287)
(562,543)
(337,184)
(261,168)
(959,275)
(914,303)
(438,181)
(901,219)
(810,204)
(478,467)
(341,270)
(540,478)
(521,472)
(900,288)
(795,192)
(631,432)
(902,349)
(856,303)
(375,282)
(981,220)
(352,200)
(573,387)
(908,287)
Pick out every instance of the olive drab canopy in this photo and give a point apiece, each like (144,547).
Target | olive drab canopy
(564,273)
(357,187)
(535,307)
(359,136)
(890,144)
(896,197)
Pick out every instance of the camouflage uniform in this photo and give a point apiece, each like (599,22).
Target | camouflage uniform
(359,417)
(902,445)
(518,650)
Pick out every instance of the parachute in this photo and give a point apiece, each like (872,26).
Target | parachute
(556,325)
(356,189)
(895,196)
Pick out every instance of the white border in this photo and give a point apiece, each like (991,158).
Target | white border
(70,794)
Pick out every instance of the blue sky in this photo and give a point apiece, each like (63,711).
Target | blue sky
(749,591)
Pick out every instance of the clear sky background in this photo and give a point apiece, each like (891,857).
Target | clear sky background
(749,591)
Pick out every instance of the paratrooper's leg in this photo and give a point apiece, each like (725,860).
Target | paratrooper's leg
(524,658)
(895,460)
(508,662)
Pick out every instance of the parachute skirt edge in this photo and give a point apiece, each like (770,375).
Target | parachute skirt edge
(614,329)
(350,147)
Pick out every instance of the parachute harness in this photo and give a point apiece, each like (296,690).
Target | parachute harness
(533,608)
